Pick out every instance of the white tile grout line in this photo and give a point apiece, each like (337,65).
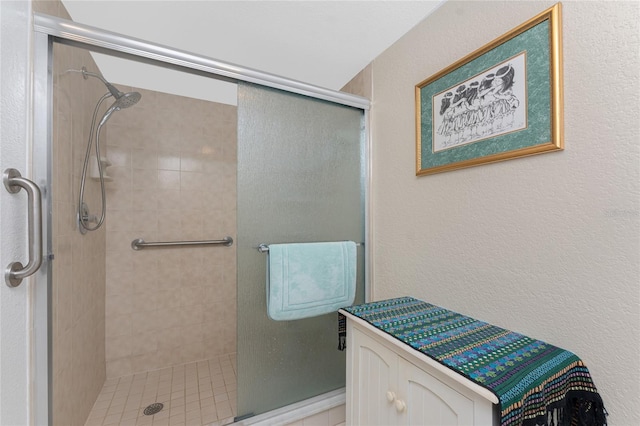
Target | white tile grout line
(201,392)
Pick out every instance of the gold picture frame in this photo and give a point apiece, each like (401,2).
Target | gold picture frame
(483,109)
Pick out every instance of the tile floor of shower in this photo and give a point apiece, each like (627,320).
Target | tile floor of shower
(197,393)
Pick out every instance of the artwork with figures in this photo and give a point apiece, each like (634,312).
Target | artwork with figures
(489,104)
(502,101)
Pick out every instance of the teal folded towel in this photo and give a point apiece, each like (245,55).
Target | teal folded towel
(310,279)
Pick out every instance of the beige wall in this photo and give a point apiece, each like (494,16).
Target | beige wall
(546,245)
(174,172)
(78,284)
(79,267)
(360,84)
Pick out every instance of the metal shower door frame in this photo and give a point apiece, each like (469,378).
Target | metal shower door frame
(92,37)
(49,29)
(42,159)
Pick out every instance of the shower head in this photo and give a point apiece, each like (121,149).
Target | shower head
(123,100)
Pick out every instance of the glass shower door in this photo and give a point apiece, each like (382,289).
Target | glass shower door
(300,179)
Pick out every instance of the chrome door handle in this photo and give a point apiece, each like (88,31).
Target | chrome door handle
(15,272)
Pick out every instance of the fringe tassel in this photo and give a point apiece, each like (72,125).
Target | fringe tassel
(578,408)
(342,332)
(588,411)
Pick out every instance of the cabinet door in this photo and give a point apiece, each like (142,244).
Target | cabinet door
(429,401)
(374,370)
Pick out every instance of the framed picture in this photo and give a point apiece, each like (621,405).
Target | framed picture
(500,102)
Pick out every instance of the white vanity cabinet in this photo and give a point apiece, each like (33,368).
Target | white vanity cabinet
(389,383)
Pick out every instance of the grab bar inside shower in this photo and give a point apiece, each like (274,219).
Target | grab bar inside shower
(139,243)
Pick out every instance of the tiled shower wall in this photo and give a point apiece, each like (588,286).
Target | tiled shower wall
(174,179)
(78,283)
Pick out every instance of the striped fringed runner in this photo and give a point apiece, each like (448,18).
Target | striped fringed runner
(536,383)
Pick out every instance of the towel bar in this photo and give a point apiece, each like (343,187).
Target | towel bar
(263,248)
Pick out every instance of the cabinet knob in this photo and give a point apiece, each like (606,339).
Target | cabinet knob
(391,396)
(400,406)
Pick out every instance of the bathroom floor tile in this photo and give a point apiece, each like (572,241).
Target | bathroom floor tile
(195,394)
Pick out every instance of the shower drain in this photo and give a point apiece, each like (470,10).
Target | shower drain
(153,408)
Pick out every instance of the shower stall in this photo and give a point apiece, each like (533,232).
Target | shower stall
(126,316)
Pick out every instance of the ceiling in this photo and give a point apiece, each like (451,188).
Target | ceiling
(324,43)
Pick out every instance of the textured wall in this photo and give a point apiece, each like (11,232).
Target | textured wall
(15,313)
(546,245)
